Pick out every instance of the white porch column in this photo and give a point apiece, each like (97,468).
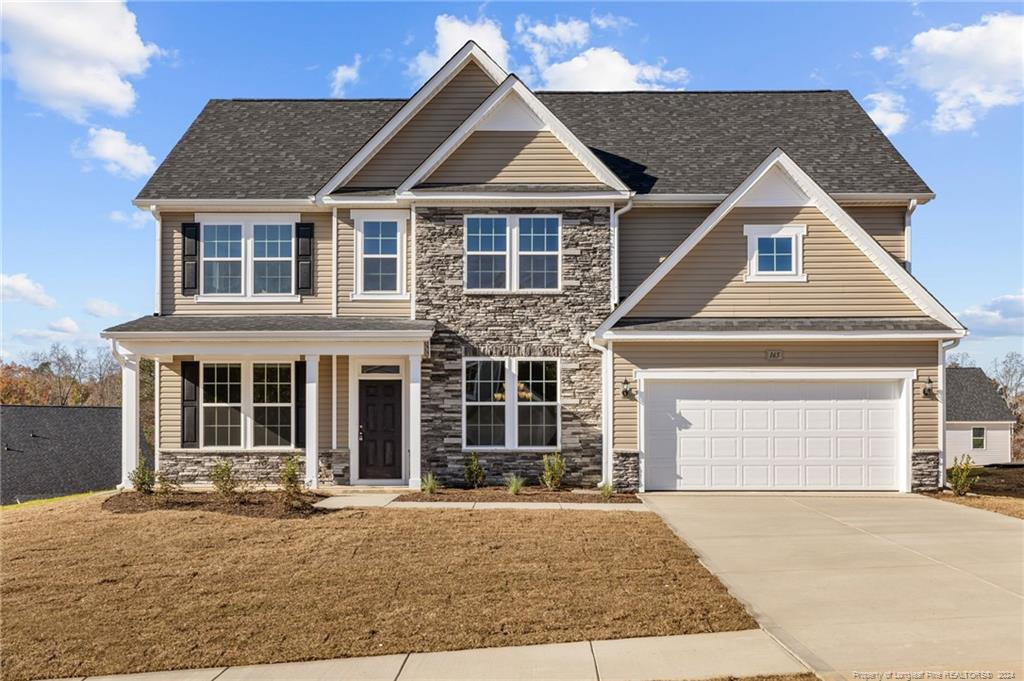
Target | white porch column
(312,409)
(415,369)
(129,418)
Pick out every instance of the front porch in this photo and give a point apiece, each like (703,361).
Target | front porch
(345,401)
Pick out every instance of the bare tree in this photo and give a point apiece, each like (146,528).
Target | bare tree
(1008,373)
(64,371)
(104,375)
(960,359)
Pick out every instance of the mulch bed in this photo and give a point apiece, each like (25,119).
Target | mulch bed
(1000,481)
(526,495)
(263,504)
(89,592)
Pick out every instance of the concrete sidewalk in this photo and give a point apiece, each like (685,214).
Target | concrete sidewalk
(698,656)
(365,500)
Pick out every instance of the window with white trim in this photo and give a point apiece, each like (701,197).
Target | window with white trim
(978,437)
(272,405)
(380,253)
(511,403)
(247,404)
(247,256)
(775,252)
(222,405)
(513,253)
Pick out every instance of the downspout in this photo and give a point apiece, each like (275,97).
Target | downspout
(157,289)
(412,258)
(614,294)
(606,408)
(911,207)
(943,349)
(334,261)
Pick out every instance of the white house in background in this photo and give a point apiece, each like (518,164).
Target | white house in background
(978,422)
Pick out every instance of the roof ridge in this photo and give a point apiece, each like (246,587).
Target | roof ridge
(684,92)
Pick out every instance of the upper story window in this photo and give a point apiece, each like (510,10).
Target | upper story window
(513,253)
(978,438)
(775,252)
(247,257)
(380,253)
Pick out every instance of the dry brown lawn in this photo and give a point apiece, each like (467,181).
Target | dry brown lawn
(1011,506)
(86,591)
(998,488)
(526,495)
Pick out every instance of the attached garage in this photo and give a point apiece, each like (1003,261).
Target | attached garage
(776,431)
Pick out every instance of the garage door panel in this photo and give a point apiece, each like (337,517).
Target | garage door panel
(771,434)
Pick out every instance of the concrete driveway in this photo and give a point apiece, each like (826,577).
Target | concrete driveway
(858,583)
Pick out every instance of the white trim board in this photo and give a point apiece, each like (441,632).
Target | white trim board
(831,210)
(512,85)
(469,51)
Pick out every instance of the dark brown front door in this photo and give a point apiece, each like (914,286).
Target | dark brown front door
(380,430)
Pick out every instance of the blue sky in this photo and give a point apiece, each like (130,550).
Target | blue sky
(95,95)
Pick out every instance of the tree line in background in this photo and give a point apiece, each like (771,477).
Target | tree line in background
(73,377)
(1007,373)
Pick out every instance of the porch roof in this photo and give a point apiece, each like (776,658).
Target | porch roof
(849,328)
(187,327)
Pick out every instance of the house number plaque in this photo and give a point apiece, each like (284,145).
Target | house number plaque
(774,355)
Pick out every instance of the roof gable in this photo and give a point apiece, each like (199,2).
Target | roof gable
(973,396)
(767,171)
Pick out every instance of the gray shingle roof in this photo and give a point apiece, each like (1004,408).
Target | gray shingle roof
(657,142)
(52,451)
(267,323)
(972,396)
(770,324)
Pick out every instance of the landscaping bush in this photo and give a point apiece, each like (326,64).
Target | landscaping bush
(429,484)
(224,480)
(606,490)
(291,481)
(514,484)
(554,470)
(962,476)
(475,475)
(166,485)
(142,478)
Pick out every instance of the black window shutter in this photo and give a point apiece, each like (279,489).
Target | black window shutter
(190,258)
(304,258)
(189,405)
(300,404)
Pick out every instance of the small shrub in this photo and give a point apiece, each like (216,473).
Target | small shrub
(962,476)
(554,470)
(475,475)
(514,484)
(291,481)
(142,478)
(429,484)
(606,490)
(224,480)
(166,485)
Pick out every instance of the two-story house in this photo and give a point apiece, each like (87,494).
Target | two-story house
(677,290)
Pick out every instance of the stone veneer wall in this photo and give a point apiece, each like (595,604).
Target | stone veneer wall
(924,470)
(509,325)
(626,470)
(193,466)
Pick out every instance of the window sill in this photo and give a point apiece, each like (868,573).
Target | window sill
(249,299)
(776,277)
(379,296)
(499,450)
(517,292)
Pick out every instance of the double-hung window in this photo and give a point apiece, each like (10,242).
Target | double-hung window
(775,252)
(380,253)
(511,403)
(978,437)
(222,405)
(247,404)
(512,253)
(247,257)
(271,405)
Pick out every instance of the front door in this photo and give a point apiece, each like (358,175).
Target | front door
(380,430)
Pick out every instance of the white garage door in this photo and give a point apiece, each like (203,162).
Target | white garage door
(781,435)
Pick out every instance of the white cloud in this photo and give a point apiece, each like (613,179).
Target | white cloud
(543,41)
(343,75)
(19,288)
(968,69)
(603,68)
(118,154)
(40,334)
(137,219)
(888,111)
(1002,316)
(97,307)
(451,33)
(65,325)
(879,52)
(74,57)
(611,21)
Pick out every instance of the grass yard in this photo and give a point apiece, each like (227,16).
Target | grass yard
(998,489)
(526,495)
(87,591)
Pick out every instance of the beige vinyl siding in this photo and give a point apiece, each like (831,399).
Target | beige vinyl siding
(346,276)
(886,224)
(430,126)
(512,157)
(342,383)
(170,404)
(323,392)
(841,280)
(648,235)
(174,302)
(920,355)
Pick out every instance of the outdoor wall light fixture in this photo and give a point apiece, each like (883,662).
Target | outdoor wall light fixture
(929,388)
(626,391)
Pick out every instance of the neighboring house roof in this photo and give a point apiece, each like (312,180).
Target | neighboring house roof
(153,324)
(655,142)
(794,324)
(52,451)
(973,396)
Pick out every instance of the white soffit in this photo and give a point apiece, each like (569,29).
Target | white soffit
(776,189)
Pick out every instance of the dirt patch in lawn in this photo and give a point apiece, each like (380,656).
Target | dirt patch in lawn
(1011,506)
(250,504)
(526,495)
(86,591)
(1000,481)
